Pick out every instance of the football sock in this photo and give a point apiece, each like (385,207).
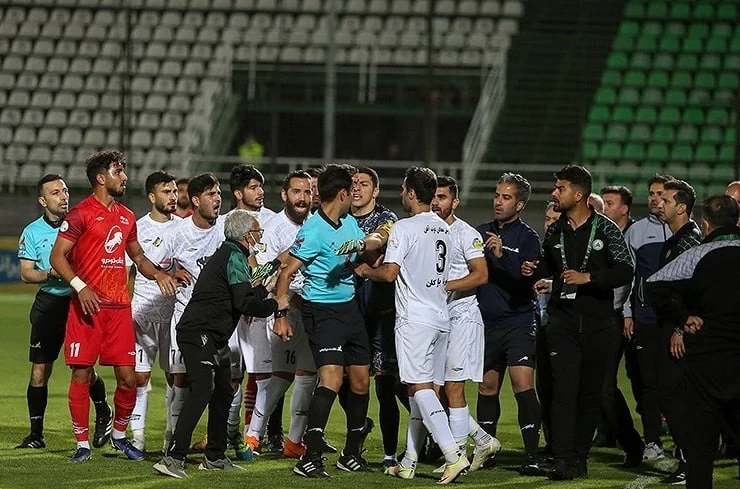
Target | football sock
(436,419)
(178,400)
(37,398)
(415,434)
(275,423)
(138,417)
(388,413)
(124,400)
(356,415)
(264,402)
(300,403)
(530,418)
(168,393)
(460,424)
(250,393)
(79,409)
(343,393)
(236,404)
(478,434)
(318,415)
(488,413)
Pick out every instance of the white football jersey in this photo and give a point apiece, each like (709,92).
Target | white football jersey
(152,237)
(467,245)
(279,235)
(421,245)
(265,215)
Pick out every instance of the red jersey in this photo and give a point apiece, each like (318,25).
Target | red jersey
(99,255)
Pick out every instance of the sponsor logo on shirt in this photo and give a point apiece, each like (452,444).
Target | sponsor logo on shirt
(124,220)
(114,239)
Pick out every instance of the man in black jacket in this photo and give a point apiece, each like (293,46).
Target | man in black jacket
(225,291)
(587,258)
(697,292)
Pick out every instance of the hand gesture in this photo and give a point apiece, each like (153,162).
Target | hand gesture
(693,324)
(167,283)
(183,277)
(494,244)
(543,286)
(528,268)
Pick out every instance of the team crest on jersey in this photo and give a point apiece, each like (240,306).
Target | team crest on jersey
(598,245)
(298,243)
(63,228)
(113,240)
(124,220)
(157,242)
(393,242)
(22,244)
(478,244)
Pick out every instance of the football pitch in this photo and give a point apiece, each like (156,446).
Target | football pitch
(49,468)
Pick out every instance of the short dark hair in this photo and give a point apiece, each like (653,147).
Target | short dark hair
(199,184)
(100,161)
(720,211)
(155,179)
(577,175)
(333,179)
(294,174)
(423,182)
(685,193)
(366,170)
(625,194)
(316,171)
(523,187)
(241,175)
(658,178)
(180,181)
(445,181)
(51,177)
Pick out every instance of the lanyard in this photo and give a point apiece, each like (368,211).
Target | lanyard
(727,237)
(594,225)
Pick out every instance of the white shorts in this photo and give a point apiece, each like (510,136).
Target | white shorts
(235,359)
(152,328)
(466,344)
(254,341)
(176,363)
(421,352)
(294,354)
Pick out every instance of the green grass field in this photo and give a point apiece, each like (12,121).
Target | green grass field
(108,469)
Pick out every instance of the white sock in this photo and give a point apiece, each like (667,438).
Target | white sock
(300,401)
(415,434)
(459,424)
(83,444)
(478,434)
(117,434)
(138,416)
(436,418)
(178,400)
(168,394)
(236,405)
(260,414)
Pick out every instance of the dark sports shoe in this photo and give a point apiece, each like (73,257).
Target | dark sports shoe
(565,471)
(432,452)
(171,467)
(80,455)
(33,441)
(353,463)
(103,429)
(311,467)
(274,444)
(128,449)
(633,458)
(677,478)
(328,447)
(530,467)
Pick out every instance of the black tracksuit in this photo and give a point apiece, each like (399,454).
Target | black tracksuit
(222,294)
(703,282)
(581,330)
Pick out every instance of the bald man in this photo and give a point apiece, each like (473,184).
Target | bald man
(733,190)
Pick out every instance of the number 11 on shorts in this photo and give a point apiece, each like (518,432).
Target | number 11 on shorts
(74,350)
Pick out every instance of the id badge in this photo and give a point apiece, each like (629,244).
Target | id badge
(569,291)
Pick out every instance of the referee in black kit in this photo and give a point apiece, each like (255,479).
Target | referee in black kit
(587,257)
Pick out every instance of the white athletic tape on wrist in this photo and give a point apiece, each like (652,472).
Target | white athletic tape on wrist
(77,284)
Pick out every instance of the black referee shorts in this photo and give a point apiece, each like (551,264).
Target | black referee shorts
(336,333)
(48,320)
(514,346)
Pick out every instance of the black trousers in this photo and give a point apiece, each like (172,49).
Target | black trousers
(209,379)
(543,379)
(579,364)
(671,396)
(713,392)
(649,346)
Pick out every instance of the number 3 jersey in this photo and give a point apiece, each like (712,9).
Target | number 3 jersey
(422,246)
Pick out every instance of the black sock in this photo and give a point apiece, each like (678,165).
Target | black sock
(275,423)
(99,397)
(356,414)
(530,418)
(318,416)
(342,394)
(385,391)
(37,398)
(488,413)
(402,394)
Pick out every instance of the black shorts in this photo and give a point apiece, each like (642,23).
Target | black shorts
(509,347)
(48,320)
(336,333)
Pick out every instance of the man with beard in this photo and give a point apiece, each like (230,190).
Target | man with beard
(273,363)
(152,311)
(464,360)
(183,209)
(646,238)
(89,253)
(508,310)
(248,190)
(587,258)
(315,196)
(49,313)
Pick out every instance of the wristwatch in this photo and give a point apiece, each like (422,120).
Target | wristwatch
(678,331)
(281,313)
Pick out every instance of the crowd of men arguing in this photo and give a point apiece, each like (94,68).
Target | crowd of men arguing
(334,289)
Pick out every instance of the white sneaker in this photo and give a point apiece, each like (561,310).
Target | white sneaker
(485,452)
(653,451)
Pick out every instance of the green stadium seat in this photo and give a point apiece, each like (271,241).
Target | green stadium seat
(728,80)
(735,45)
(657,10)
(590,150)
(710,62)
(646,115)
(699,172)
(675,96)
(650,168)
(623,43)
(687,134)
(711,135)
(664,134)
(648,44)
(727,12)
(669,44)
(634,10)
(716,45)
(698,96)
(593,132)
(657,152)
(686,62)
(641,61)
(724,96)
(629,28)
(727,153)
(681,79)
(640,133)
(732,62)
(634,79)
(693,45)
(730,135)
(617,61)
(610,151)
(611,78)
(625,170)
(722,172)
(634,151)
(706,152)
(693,115)
(705,80)
(616,132)
(606,96)
(652,96)
(663,61)
(658,79)
(698,30)
(682,152)
(652,29)
(718,116)
(704,11)
(669,115)
(629,96)
(598,113)
(721,30)
(623,114)
(678,169)
(675,29)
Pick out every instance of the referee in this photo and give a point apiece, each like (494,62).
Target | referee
(49,313)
